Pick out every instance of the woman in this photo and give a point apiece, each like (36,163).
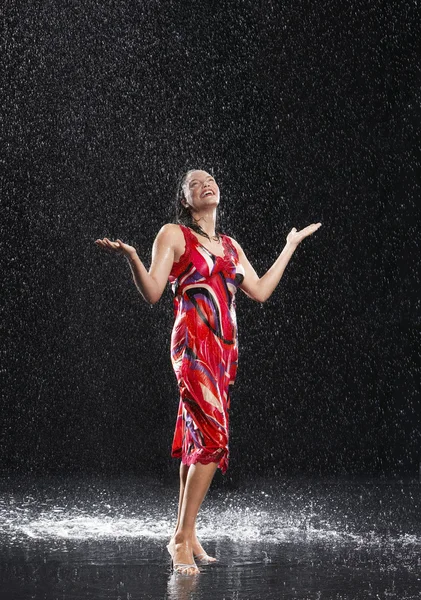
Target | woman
(205,268)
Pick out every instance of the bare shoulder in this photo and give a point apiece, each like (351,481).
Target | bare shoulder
(170,233)
(170,228)
(171,236)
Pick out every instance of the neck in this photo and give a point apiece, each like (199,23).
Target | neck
(206,220)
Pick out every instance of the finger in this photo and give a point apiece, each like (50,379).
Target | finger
(309,229)
(104,246)
(109,245)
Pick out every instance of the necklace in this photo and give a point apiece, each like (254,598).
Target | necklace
(216,237)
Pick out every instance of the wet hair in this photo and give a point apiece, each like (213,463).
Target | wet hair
(183,214)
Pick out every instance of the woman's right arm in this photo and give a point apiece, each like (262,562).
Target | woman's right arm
(150,284)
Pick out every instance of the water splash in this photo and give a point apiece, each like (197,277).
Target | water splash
(284,515)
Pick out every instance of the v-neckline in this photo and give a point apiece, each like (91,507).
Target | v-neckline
(207,249)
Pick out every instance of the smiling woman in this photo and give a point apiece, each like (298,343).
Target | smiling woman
(183,209)
(205,268)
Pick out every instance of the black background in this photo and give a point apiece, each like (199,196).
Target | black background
(304,112)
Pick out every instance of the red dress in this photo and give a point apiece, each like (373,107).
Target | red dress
(204,348)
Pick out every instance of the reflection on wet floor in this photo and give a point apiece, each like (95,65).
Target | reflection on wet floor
(295,538)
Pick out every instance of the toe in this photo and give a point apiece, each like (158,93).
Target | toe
(183,570)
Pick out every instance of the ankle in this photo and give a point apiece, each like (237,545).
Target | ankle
(181,538)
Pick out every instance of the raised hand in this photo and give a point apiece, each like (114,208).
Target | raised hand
(295,237)
(117,247)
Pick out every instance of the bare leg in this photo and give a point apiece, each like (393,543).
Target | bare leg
(197,483)
(198,550)
(184,469)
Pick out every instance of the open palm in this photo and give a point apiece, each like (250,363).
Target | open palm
(295,237)
(117,247)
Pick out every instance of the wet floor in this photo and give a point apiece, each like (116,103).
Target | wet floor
(69,538)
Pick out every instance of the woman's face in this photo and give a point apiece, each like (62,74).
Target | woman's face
(200,190)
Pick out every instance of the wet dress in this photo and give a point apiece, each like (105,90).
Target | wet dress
(204,348)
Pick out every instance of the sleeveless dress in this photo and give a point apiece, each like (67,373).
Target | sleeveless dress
(204,349)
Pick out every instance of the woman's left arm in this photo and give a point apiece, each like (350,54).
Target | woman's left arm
(261,288)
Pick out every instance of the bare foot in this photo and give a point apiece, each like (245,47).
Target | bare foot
(199,553)
(182,554)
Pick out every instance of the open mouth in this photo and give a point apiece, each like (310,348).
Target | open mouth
(208,193)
